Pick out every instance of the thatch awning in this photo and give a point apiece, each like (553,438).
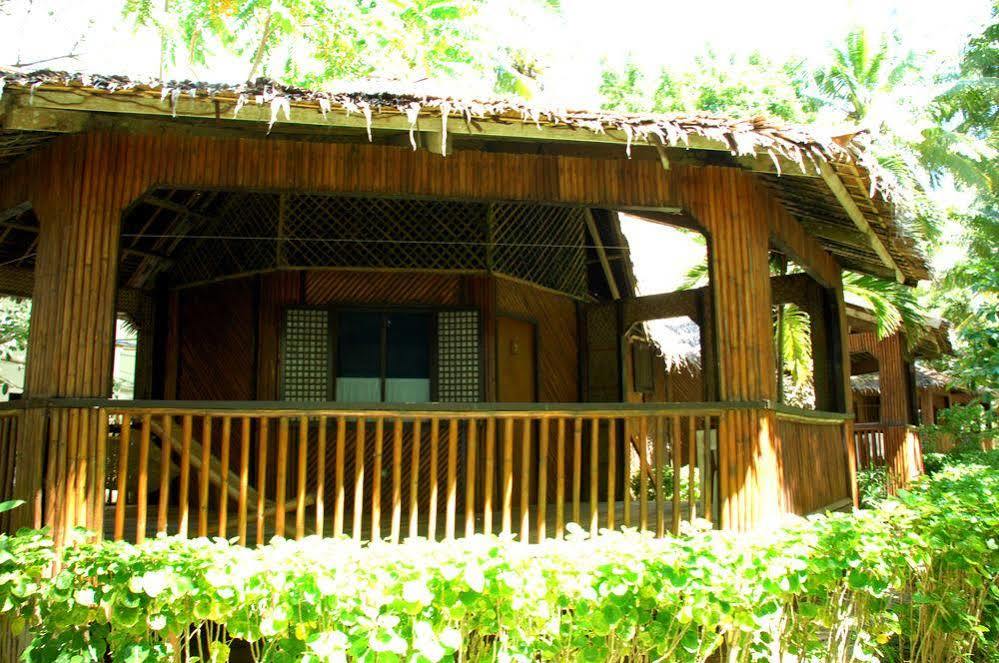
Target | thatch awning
(829,183)
(869,384)
(678,341)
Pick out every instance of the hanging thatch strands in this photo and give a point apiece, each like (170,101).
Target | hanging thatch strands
(743,136)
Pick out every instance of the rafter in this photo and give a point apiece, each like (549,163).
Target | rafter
(857,216)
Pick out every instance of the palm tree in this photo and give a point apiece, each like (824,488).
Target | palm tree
(861,75)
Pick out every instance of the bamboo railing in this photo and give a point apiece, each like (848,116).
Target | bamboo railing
(248,472)
(9,422)
(254,470)
(869,440)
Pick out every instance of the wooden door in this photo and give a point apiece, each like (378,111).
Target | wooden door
(516,355)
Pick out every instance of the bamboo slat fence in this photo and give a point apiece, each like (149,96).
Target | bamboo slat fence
(252,471)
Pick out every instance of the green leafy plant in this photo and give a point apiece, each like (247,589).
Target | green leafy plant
(666,478)
(912,580)
(873,486)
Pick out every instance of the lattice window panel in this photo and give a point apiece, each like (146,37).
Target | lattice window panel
(543,244)
(247,234)
(305,371)
(382,232)
(269,231)
(458,360)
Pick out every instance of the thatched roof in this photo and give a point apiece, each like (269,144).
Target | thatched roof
(869,384)
(825,180)
(678,341)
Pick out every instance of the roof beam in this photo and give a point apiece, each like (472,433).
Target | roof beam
(52,120)
(176,208)
(853,211)
(591,225)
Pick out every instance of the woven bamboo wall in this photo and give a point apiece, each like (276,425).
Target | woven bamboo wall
(814,465)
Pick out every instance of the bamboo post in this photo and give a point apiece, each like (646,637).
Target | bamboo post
(264,433)
(489,471)
(281,477)
(659,441)
(184,487)
(165,463)
(340,498)
(542,518)
(675,448)
(244,477)
(143,488)
(709,470)
(452,479)
(396,480)
(124,438)
(434,460)
(203,476)
(691,467)
(321,477)
(611,472)
(303,475)
(577,467)
(643,468)
(358,478)
(626,466)
(525,483)
(376,482)
(414,482)
(560,478)
(594,476)
(507,526)
(224,476)
(470,461)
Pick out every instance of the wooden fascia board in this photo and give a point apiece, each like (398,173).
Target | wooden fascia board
(857,216)
(388,119)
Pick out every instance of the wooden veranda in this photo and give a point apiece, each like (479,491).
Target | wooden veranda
(244,252)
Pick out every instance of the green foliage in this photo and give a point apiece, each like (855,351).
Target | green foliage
(666,477)
(895,306)
(913,580)
(15,317)
(725,85)
(309,43)
(970,297)
(873,487)
(864,71)
(969,425)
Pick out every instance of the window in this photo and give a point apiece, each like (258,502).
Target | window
(390,356)
(383,357)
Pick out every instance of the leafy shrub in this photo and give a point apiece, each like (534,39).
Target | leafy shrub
(667,483)
(914,580)
(872,484)
(933,462)
(968,425)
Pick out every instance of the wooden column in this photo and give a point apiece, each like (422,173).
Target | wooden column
(847,393)
(724,201)
(71,339)
(902,447)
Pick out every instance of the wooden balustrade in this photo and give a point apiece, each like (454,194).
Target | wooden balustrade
(869,441)
(894,447)
(251,471)
(387,475)
(9,421)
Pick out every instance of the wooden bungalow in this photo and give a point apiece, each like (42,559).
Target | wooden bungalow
(889,391)
(387,314)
